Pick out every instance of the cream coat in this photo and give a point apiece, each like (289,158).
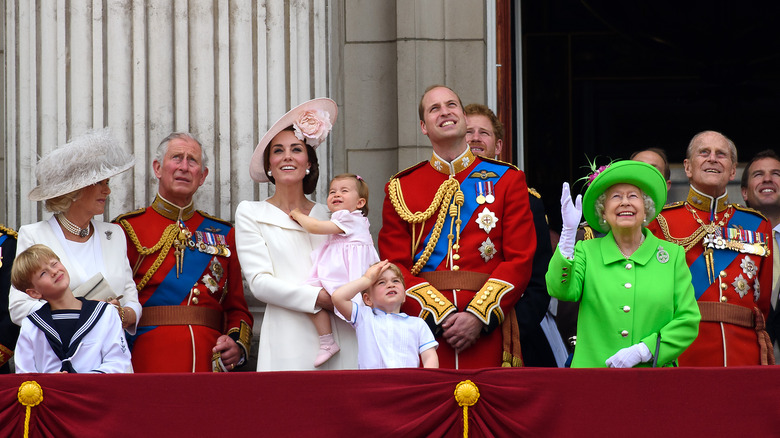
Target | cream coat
(116,269)
(275,256)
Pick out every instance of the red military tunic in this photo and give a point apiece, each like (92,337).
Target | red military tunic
(204,301)
(496,240)
(738,273)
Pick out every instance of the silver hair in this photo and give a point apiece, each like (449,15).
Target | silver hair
(732,146)
(648,203)
(162,149)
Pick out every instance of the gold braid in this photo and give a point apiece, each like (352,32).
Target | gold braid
(163,245)
(441,200)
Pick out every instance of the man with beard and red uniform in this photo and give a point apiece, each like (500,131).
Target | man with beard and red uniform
(195,316)
(729,251)
(460,229)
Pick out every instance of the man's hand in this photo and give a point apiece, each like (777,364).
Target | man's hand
(231,353)
(461,330)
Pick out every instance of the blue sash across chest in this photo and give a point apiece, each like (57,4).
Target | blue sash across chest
(722,258)
(470,205)
(173,290)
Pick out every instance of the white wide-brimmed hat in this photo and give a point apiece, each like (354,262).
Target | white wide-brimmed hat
(83,161)
(312,120)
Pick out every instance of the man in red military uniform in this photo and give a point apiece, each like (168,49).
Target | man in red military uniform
(460,229)
(728,249)
(195,316)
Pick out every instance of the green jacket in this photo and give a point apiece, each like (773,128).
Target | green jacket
(624,302)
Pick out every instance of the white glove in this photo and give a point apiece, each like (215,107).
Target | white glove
(571,213)
(630,356)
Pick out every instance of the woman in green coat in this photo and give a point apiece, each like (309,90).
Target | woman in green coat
(637,305)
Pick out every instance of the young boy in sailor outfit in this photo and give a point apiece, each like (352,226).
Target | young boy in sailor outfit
(67,334)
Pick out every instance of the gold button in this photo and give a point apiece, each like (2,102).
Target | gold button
(479,302)
(490,288)
(629,266)
(485,295)
(723,299)
(437,300)
(724,286)
(624,333)
(626,309)
(628,285)
(456,257)
(195,300)
(456,247)
(723,274)
(429,292)
(455,268)
(194,289)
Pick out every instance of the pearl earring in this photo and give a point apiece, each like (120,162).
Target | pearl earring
(269,173)
(308,171)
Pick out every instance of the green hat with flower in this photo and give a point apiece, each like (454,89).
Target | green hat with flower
(636,173)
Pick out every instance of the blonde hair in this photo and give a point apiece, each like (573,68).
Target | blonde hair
(27,263)
(62,203)
(362,188)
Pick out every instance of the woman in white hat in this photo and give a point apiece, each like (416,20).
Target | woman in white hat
(73,182)
(275,251)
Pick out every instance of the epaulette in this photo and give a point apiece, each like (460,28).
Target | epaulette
(749,210)
(497,161)
(409,169)
(533,191)
(673,205)
(8,231)
(129,214)
(216,219)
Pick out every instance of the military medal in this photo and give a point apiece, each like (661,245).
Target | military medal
(216,269)
(748,267)
(480,192)
(489,198)
(487,250)
(210,283)
(741,286)
(486,220)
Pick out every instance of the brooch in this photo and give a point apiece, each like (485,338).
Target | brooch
(741,285)
(486,220)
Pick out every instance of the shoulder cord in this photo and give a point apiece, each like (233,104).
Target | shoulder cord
(690,241)
(444,195)
(164,245)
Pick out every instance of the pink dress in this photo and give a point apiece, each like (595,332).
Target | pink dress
(343,257)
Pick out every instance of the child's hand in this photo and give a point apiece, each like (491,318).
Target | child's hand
(373,272)
(295,212)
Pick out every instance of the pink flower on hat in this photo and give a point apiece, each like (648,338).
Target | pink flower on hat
(313,126)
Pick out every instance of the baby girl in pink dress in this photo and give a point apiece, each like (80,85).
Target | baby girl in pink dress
(348,252)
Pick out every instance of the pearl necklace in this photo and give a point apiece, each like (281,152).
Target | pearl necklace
(71,227)
(641,239)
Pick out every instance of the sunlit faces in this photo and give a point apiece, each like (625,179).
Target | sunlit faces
(480,136)
(287,159)
(181,171)
(387,293)
(710,166)
(91,200)
(624,207)
(443,116)
(343,195)
(50,281)
(763,184)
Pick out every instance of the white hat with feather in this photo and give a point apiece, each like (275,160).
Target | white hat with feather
(81,162)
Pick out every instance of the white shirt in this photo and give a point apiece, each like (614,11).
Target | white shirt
(389,340)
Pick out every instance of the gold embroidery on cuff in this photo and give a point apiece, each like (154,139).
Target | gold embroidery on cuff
(431,300)
(486,302)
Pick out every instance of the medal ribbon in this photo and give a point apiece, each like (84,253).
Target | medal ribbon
(467,211)
(722,258)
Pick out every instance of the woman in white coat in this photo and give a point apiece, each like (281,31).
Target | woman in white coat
(73,182)
(275,252)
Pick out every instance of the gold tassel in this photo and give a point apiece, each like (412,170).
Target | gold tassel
(30,394)
(466,394)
